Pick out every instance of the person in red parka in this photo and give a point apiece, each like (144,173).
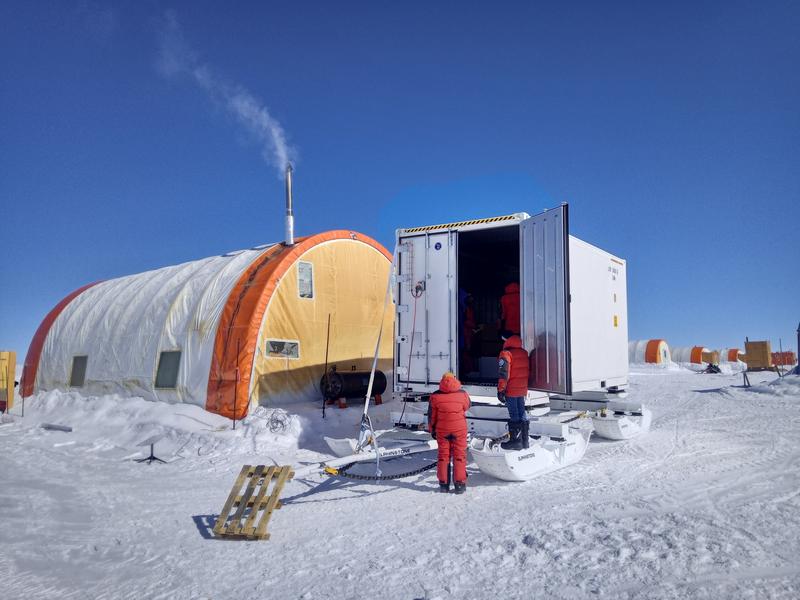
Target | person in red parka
(448,424)
(509,309)
(512,388)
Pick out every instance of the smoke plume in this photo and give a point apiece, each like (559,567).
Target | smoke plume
(176,58)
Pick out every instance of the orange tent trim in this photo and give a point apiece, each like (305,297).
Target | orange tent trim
(237,334)
(651,351)
(35,349)
(697,355)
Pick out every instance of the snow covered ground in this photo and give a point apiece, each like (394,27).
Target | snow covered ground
(706,505)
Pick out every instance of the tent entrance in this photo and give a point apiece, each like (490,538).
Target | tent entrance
(488,260)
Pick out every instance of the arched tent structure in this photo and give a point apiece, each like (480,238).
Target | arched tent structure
(787,358)
(225,332)
(731,355)
(649,351)
(689,354)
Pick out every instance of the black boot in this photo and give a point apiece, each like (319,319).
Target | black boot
(514,442)
(524,434)
(444,487)
(461,487)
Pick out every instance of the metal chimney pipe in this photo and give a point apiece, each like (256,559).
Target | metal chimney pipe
(289,241)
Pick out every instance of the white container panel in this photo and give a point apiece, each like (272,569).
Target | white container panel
(440,306)
(598,317)
(427,261)
(410,357)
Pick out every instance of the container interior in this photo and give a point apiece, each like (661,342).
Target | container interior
(488,260)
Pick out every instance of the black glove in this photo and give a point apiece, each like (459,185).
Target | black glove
(433,433)
(502,397)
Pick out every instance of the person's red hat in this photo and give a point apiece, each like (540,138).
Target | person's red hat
(449,383)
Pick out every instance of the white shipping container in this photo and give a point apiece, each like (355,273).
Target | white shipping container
(573,306)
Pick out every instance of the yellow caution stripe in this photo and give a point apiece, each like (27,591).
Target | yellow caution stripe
(460,224)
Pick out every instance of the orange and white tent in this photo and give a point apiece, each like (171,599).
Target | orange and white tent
(731,355)
(226,332)
(695,355)
(649,351)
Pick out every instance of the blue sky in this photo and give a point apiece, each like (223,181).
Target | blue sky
(672,129)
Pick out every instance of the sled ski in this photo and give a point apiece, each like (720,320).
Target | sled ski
(400,448)
(612,419)
(552,446)
(390,438)
(621,425)
(341,446)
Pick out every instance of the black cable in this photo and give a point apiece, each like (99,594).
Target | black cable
(342,472)
(416,293)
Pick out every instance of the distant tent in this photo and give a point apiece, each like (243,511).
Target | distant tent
(649,351)
(758,355)
(696,355)
(786,358)
(226,332)
(731,355)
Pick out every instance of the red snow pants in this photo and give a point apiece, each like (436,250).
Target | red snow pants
(452,443)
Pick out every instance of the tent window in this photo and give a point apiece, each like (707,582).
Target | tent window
(78,376)
(283,349)
(305,279)
(167,374)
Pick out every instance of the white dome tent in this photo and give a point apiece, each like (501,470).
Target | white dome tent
(694,355)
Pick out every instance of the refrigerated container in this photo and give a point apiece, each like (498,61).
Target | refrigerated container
(572,303)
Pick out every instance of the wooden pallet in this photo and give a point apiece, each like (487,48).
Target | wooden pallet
(253,505)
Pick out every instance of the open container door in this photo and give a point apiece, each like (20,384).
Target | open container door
(544,283)
(426,307)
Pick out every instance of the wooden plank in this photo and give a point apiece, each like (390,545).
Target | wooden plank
(235,526)
(226,509)
(238,501)
(248,524)
(272,472)
(222,524)
(279,504)
(261,530)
